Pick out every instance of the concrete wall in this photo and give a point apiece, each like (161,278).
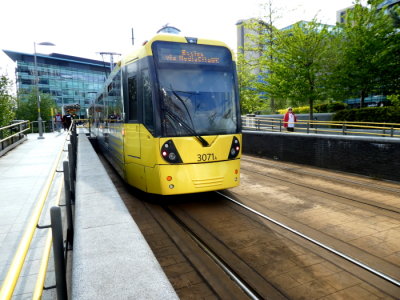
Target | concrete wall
(371,156)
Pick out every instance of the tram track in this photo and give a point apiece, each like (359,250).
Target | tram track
(351,262)
(392,211)
(225,267)
(187,232)
(357,262)
(366,182)
(341,177)
(186,214)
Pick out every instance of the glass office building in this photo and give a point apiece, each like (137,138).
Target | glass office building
(70,80)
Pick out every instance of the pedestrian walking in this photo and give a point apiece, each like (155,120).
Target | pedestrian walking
(67,120)
(289,119)
(59,121)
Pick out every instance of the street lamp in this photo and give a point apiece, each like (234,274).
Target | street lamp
(40,126)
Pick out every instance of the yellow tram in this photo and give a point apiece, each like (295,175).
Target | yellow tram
(168,118)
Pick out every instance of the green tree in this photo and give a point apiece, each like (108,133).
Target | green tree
(250,100)
(7,102)
(369,51)
(300,67)
(28,107)
(255,58)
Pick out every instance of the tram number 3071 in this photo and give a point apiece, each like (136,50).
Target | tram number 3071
(206,157)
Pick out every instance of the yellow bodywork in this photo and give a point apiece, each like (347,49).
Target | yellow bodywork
(136,154)
(146,169)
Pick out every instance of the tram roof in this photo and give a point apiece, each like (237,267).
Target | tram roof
(145,49)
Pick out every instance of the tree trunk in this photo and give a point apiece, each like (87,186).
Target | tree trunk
(362,98)
(272,105)
(311,101)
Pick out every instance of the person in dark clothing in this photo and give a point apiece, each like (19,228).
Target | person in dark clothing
(67,120)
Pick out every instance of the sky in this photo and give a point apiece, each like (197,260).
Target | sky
(86,27)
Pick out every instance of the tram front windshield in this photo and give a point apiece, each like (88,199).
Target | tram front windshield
(197,90)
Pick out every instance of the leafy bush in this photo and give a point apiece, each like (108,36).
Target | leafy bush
(388,114)
(297,110)
(336,106)
(395,100)
(330,107)
(321,108)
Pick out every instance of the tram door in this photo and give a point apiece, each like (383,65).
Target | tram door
(132,128)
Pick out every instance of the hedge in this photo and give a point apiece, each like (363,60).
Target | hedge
(388,114)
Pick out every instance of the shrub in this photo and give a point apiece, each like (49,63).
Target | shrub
(297,110)
(388,114)
(321,108)
(330,107)
(336,106)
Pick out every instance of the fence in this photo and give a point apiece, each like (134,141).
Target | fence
(61,242)
(323,127)
(12,135)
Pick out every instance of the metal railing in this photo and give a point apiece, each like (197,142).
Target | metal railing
(55,237)
(11,134)
(49,126)
(323,127)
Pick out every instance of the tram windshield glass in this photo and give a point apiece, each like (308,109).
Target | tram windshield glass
(198,96)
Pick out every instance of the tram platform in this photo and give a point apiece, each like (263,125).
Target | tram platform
(104,231)
(23,173)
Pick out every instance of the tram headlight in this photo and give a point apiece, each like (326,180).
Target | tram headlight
(170,153)
(235,148)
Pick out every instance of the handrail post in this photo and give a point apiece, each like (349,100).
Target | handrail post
(308,126)
(75,140)
(344,128)
(58,251)
(71,158)
(280,125)
(68,205)
(391,131)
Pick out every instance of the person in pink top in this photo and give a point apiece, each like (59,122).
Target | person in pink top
(58,120)
(289,119)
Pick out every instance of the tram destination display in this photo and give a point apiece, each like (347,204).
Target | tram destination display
(179,53)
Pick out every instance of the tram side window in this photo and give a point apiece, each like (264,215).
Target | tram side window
(132,96)
(148,118)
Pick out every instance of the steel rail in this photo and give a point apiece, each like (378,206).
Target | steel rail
(14,271)
(297,170)
(326,247)
(247,290)
(13,125)
(15,134)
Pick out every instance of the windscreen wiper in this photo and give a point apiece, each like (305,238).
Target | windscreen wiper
(187,127)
